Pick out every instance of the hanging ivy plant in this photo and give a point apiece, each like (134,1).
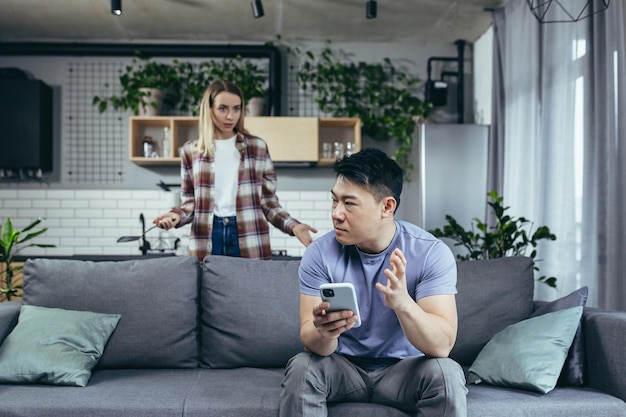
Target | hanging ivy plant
(383,95)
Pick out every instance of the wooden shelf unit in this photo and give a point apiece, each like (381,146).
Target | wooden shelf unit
(290,139)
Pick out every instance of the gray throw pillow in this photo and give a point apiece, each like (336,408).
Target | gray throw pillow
(574,368)
(492,294)
(249,313)
(54,346)
(157,299)
(528,355)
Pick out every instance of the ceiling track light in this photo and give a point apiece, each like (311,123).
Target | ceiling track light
(257,8)
(116,7)
(370,9)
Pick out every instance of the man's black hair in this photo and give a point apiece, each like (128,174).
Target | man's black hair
(374,170)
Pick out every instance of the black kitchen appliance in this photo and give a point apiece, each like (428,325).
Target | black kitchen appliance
(25,122)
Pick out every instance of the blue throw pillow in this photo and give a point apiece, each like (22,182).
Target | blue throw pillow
(54,346)
(528,355)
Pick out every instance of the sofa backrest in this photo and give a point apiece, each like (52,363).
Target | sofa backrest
(250,309)
(249,312)
(157,300)
(492,294)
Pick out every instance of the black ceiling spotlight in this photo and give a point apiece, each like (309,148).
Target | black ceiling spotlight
(370,9)
(116,7)
(257,8)
(554,11)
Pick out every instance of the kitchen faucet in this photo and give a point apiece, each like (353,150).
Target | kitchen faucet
(144,247)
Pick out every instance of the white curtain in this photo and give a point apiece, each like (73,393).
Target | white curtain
(560,122)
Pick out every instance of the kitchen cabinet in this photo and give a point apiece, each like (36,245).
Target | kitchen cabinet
(295,140)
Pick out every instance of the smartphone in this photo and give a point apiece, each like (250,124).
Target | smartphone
(341,296)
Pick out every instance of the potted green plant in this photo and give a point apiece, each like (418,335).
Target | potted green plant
(181,84)
(510,236)
(11,243)
(383,95)
(192,81)
(249,76)
(145,85)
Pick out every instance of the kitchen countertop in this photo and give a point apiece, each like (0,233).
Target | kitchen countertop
(97,258)
(87,257)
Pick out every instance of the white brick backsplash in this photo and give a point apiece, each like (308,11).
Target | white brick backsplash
(90,221)
(299,205)
(289,195)
(117,195)
(19,204)
(323,205)
(117,213)
(29,215)
(48,203)
(73,223)
(90,213)
(314,214)
(89,194)
(31,194)
(61,194)
(57,231)
(4,213)
(74,241)
(105,204)
(102,222)
(144,195)
(58,213)
(8,195)
(74,203)
(130,204)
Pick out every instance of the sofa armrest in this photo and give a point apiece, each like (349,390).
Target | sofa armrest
(605,338)
(9,310)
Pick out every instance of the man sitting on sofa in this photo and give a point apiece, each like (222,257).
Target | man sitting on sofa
(398,356)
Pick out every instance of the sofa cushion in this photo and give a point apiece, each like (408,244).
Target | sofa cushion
(492,294)
(573,370)
(157,299)
(55,346)
(530,354)
(488,401)
(249,312)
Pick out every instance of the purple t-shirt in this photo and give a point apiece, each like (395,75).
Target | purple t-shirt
(431,270)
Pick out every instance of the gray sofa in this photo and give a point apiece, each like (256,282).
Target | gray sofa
(212,341)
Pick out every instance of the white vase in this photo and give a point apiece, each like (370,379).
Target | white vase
(255,107)
(154,96)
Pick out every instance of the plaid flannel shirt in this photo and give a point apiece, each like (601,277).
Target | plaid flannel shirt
(257,203)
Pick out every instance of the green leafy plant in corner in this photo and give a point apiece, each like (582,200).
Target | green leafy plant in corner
(11,243)
(510,236)
(383,95)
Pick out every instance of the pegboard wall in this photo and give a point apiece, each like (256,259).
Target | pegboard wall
(95,146)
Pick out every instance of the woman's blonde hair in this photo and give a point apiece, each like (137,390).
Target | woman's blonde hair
(205,124)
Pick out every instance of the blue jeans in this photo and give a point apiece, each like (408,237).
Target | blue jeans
(225,239)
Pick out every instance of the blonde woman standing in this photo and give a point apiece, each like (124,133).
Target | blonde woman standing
(228,184)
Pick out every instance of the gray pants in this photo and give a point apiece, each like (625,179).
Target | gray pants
(425,386)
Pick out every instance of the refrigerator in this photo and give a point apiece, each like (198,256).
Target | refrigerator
(449,176)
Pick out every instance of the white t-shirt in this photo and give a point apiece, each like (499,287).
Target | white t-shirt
(226,176)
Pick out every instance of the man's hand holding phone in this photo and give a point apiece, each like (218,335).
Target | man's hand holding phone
(339,310)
